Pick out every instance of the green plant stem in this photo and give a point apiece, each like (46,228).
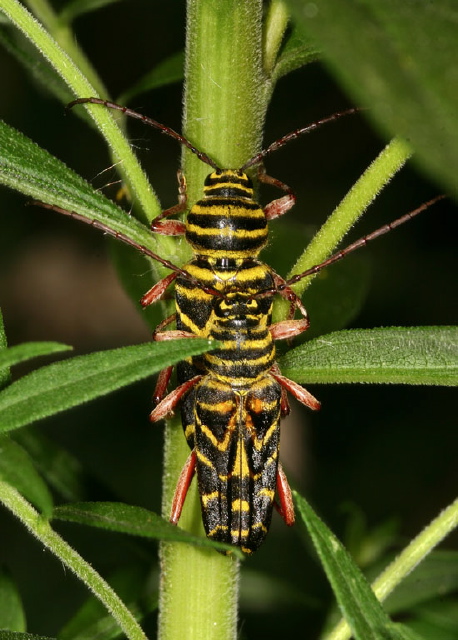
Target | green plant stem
(63,35)
(42,530)
(225,105)
(364,191)
(81,87)
(406,562)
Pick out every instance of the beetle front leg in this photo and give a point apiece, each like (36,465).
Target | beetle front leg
(172,227)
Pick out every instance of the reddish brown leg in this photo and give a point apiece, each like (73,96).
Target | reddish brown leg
(279,206)
(172,227)
(284,404)
(183,484)
(157,291)
(285,506)
(163,323)
(161,384)
(286,292)
(174,334)
(162,336)
(168,404)
(288,329)
(297,391)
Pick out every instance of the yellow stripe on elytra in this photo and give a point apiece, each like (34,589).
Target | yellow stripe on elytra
(240,468)
(240,505)
(218,407)
(202,458)
(219,527)
(208,497)
(221,445)
(267,493)
(271,460)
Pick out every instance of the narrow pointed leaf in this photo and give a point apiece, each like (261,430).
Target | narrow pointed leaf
(357,601)
(4,369)
(76,8)
(64,63)
(17,635)
(27,55)
(17,468)
(29,350)
(28,168)
(61,470)
(105,627)
(296,53)
(395,355)
(41,529)
(395,67)
(168,71)
(438,619)
(125,518)
(405,633)
(65,384)
(12,615)
(433,579)
(131,583)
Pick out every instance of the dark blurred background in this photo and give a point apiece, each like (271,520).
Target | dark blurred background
(386,452)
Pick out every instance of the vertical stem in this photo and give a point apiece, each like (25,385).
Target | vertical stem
(224,114)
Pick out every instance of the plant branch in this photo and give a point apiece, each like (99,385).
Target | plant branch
(42,530)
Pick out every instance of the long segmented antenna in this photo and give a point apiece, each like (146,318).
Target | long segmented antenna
(360,243)
(118,235)
(149,121)
(256,159)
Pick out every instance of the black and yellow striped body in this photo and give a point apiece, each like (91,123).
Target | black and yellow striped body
(231,417)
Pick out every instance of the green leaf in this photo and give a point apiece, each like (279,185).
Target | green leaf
(296,53)
(12,615)
(41,529)
(11,635)
(29,350)
(63,385)
(62,471)
(4,371)
(91,619)
(137,521)
(395,355)
(402,65)
(337,293)
(405,633)
(356,599)
(26,167)
(104,627)
(433,579)
(27,55)
(17,468)
(368,545)
(166,72)
(437,620)
(63,62)
(77,8)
